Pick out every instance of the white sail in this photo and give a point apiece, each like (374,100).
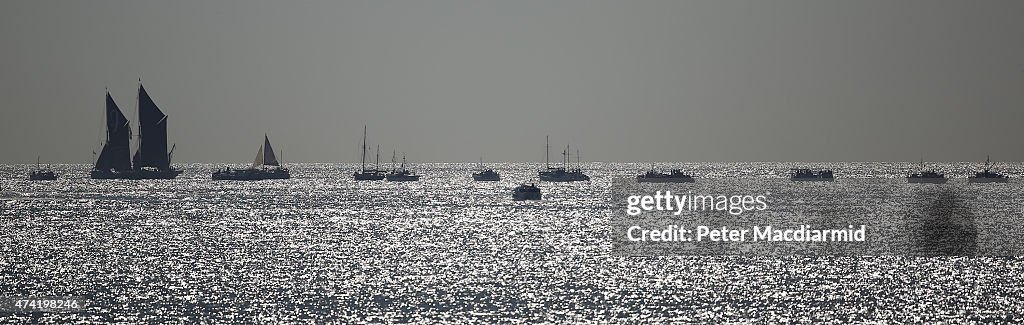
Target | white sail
(259,158)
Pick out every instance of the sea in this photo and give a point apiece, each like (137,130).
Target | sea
(323,248)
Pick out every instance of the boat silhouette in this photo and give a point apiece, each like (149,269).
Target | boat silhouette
(41,174)
(526,192)
(265,166)
(654,176)
(810,175)
(988,176)
(152,160)
(926,176)
(485,175)
(365,174)
(401,174)
(561,174)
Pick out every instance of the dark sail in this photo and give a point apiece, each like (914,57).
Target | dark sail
(116,153)
(152,150)
(265,157)
(269,158)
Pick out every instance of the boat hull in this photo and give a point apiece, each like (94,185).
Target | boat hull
(563,177)
(812,179)
(929,180)
(526,192)
(368,176)
(526,196)
(641,179)
(42,176)
(486,178)
(403,178)
(136,174)
(250,174)
(563,180)
(988,180)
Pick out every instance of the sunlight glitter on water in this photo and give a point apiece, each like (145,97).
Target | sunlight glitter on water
(321,246)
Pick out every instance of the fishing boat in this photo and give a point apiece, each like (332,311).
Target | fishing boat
(401,174)
(561,174)
(987,176)
(485,175)
(674,176)
(926,176)
(365,174)
(152,160)
(41,174)
(265,166)
(526,192)
(810,175)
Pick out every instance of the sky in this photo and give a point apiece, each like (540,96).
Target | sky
(446,80)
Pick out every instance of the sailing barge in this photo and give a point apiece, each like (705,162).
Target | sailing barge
(152,159)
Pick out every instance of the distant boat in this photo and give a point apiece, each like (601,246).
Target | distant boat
(365,174)
(526,192)
(986,176)
(41,174)
(259,170)
(561,174)
(485,175)
(810,175)
(151,160)
(401,174)
(926,176)
(674,176)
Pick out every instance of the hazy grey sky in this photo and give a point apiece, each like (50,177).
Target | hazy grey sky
(452,80)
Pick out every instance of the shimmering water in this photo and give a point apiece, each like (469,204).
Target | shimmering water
(322,247)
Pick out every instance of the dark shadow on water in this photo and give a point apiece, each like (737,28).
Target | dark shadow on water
(942,225)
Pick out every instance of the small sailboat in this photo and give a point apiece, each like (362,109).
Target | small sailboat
(401,174)
(561,174)
(265,166)
(365,174)
(926,176)
(152,160)
(526,192)
(987,176)
(42,174)
(485,175)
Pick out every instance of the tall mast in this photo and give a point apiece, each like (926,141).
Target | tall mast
(138,122)
(376,166)
(393,153)
(565,157)
(547,151)
(577,157)
(364,148)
